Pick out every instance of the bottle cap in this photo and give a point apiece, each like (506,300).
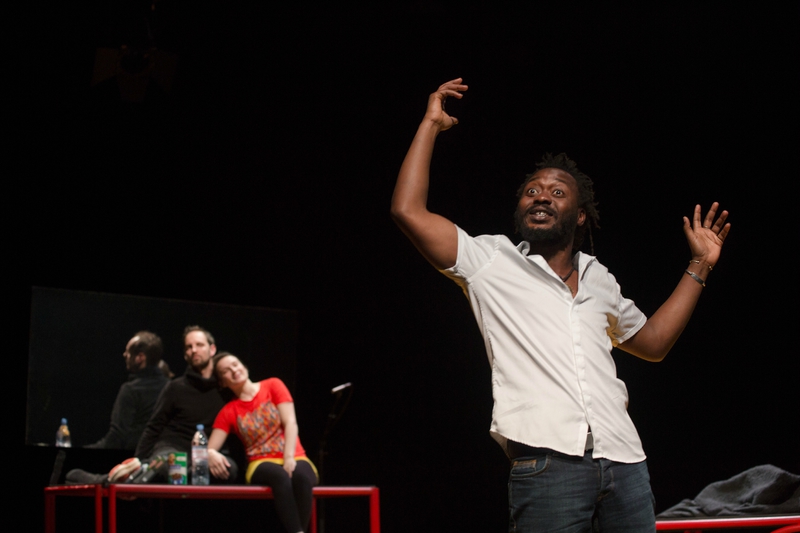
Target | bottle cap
(200,427)
(63,421)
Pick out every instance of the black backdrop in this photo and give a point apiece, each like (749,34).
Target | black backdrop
(263,178)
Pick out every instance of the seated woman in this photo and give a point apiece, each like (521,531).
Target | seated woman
(263,418)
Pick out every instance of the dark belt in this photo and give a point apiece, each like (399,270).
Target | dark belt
(517,449)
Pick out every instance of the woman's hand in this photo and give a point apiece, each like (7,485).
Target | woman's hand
(289,464)
(218,464)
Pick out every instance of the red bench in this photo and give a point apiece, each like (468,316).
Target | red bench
(213,492)
(792,523)
(244,492)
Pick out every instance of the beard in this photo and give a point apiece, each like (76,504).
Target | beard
(201,366)
(559,235)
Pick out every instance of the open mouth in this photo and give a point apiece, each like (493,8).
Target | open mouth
(540,213)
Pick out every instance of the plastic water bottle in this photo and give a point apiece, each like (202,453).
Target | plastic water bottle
(200,457)
(62,435)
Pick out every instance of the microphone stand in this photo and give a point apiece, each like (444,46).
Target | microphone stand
(333,418)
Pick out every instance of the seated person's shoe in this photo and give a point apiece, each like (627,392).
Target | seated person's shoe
(121,472)
(82,477)
(157,471)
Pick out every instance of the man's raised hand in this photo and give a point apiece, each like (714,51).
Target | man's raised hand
(705,238)
(436,103)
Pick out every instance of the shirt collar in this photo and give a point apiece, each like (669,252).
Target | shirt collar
(580,259)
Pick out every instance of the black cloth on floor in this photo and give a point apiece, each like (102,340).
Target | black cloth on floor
(761,490)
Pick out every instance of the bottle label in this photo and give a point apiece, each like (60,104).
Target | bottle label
(199,452)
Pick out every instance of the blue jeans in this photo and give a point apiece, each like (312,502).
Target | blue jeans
(553,492)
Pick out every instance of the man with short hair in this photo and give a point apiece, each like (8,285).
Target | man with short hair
(189,400)
(137,396)
(550,315)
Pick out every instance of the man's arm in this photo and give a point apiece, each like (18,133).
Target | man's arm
(162,414)
(122,414)
(657,336)
(433,235)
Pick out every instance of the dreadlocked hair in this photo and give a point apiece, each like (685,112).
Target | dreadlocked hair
(585,195)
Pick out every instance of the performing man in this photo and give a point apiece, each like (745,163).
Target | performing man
(550,315)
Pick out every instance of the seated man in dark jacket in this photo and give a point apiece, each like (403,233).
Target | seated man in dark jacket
(137,396)
(192,399)
(185,402)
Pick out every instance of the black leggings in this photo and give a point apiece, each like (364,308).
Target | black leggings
(292,495)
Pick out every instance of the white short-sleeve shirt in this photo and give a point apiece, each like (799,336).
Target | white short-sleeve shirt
(553,376)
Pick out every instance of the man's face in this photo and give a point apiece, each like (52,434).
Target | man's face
(548,212)
(197,351)
(133,362)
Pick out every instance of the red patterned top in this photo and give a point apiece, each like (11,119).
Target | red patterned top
(257,422)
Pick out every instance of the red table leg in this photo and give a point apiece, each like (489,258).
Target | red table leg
(112,508)
(313,515)
(49,512)
(374,511)
(98,509)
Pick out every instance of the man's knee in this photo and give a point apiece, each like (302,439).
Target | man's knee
(630,507)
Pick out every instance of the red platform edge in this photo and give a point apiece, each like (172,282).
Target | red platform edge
(216,492)
(699,524)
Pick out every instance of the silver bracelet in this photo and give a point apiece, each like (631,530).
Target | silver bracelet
(695,277)
(710,268)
